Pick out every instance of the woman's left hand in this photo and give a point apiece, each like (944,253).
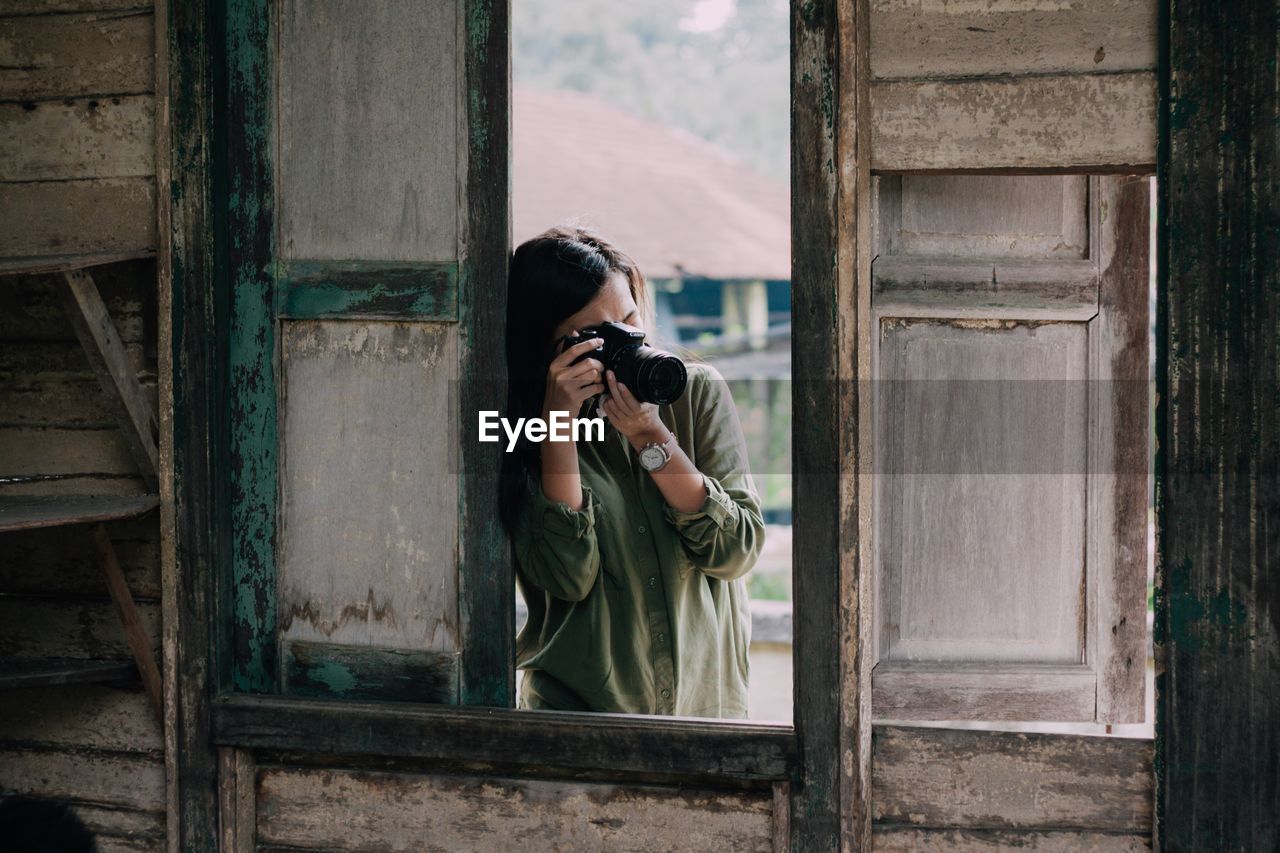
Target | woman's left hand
(638,421)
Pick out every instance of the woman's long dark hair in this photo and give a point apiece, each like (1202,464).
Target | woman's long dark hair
(553,276)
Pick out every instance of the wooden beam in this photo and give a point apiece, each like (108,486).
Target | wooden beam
(976,38)
(345,289)
(362,672)
(923,690)
(831,292)
(1218,428)
(486,580)
(31,512)
(978,289)
(679,747)
(83,138)
(951,778)
(192,448)
(66,56)
(135,633)
(238,799)
(110,215)
(101,343)
(1077,122)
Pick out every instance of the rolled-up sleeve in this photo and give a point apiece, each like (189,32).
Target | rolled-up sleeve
(556,545)
(724,536)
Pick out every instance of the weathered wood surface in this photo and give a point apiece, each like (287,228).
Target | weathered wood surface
(304,808)
(105,352)
(32,627)
(486,598)
(123,780)
(608,744)
(354,672)
(1025,217)
(998,459)
(1120,417)
(70,56)
(974,289)
(1218,486)
(37,7)
(946,779)
(1096,122)
(831,144)
(369,485)
(904,690)
(237,799)
(896,839)
(982,490)
(28,452)
(313,290)
(31,513)
(52,217)
(246,204)
(76,484)
(191,450)
(936,38)
(107,137)
(108,718)
(368,104)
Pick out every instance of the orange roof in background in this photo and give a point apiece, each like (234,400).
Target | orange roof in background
(681,206)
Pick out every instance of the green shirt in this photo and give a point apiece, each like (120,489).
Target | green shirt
(633,606)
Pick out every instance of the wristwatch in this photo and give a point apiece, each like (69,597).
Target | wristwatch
(653,456)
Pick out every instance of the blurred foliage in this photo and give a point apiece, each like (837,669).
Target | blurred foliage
(764,409)
(769,586)
(728,85)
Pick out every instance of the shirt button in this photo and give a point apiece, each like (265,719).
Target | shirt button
(653,583)
(666,694)
(662,638)
(641,528)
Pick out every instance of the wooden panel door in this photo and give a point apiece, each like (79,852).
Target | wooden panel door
(1010,447)
(369,222)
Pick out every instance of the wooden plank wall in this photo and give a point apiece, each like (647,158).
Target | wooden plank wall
(299,808)
(77,165)
(977,790)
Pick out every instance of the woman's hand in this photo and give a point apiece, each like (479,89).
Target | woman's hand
(639,422)
(570,385)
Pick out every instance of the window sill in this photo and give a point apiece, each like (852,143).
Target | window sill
(677,747)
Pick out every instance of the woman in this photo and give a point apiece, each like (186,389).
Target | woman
(633,578)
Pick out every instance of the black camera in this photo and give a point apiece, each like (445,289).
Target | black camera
(652,375)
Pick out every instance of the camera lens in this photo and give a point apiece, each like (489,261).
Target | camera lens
(657,376)
(666,377)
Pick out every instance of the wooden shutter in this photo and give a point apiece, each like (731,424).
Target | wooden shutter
(368,230)
(1011,421)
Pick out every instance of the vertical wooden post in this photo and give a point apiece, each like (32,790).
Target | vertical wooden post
(1218,464)
(830,186)
(189,411)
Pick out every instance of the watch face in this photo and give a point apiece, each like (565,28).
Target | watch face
(652,457)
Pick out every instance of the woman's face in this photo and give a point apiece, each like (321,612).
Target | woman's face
(613,303)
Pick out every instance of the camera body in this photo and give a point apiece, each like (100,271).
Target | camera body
(652,375)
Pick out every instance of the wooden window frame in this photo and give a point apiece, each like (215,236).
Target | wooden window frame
(819,766)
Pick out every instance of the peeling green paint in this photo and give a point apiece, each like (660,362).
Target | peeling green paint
(411,291)
(252,394)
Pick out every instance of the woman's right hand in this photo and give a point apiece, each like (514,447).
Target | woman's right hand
(570,385)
